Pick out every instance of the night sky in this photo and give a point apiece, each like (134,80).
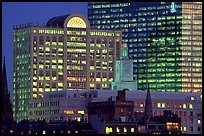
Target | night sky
(17,13)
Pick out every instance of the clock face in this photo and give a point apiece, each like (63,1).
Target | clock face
(76,22)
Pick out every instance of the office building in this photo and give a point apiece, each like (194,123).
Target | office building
(124,72)
(66,54)
(164,40)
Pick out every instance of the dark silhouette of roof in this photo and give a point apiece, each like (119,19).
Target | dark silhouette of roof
(57,21)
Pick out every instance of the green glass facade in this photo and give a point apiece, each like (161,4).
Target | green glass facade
(153,32)
(21,72)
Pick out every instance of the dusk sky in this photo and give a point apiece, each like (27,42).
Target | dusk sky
(17,13)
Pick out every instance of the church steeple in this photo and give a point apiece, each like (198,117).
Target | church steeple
(148,104)
(7,114)
(4,83)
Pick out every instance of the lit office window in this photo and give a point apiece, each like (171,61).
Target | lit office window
(198,121)
(190,106)
(158,104)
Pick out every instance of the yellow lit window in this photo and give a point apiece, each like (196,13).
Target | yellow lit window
(47,49)
(108,130)
(54,78)
(41,66)
(40,89)
(117,129)
(54,66)
(158,104)
(34,95)
(192,98)
(78,119)
(34,83)
(60,67)
(91,85)
(34,89)
(125,129)
(68,112)
(198,121)
(91,67)
(98,79)
(83,62)
(34,78)
(190,106)
(184,128)
(184,106)
(41,78)
(132,130)
(111,79)
(60,49)
(60,84)
(47,77)
(80,112)
(163,105)
(60,73)
(47,89)
(141,105)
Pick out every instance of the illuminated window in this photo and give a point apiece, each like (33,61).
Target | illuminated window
(80,112)
(163,105)
(117,129)
(158,104)
(184,128)
(184,106)
(60,84)
(198,121)
(108,130)
(68,112)
(125,129)
(190,106)
(34,83)
(141,105)
(76,22)
(132,130)
(34,95)
(192,98)
(78,119)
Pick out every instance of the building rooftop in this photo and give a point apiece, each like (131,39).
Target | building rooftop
(133,94)
(57,21)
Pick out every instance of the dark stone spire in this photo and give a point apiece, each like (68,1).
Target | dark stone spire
(7,114)
(4,82)
(148,104)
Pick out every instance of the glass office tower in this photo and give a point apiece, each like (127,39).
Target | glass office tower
(157,37)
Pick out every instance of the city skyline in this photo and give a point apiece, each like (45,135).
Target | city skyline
(56,53)
(12,15)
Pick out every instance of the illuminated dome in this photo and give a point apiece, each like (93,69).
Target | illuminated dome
(76,22)
(70,20)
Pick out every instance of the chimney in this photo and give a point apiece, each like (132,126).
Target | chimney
(121,95)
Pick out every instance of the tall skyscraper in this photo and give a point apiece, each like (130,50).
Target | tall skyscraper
(66,54)
(172,60)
